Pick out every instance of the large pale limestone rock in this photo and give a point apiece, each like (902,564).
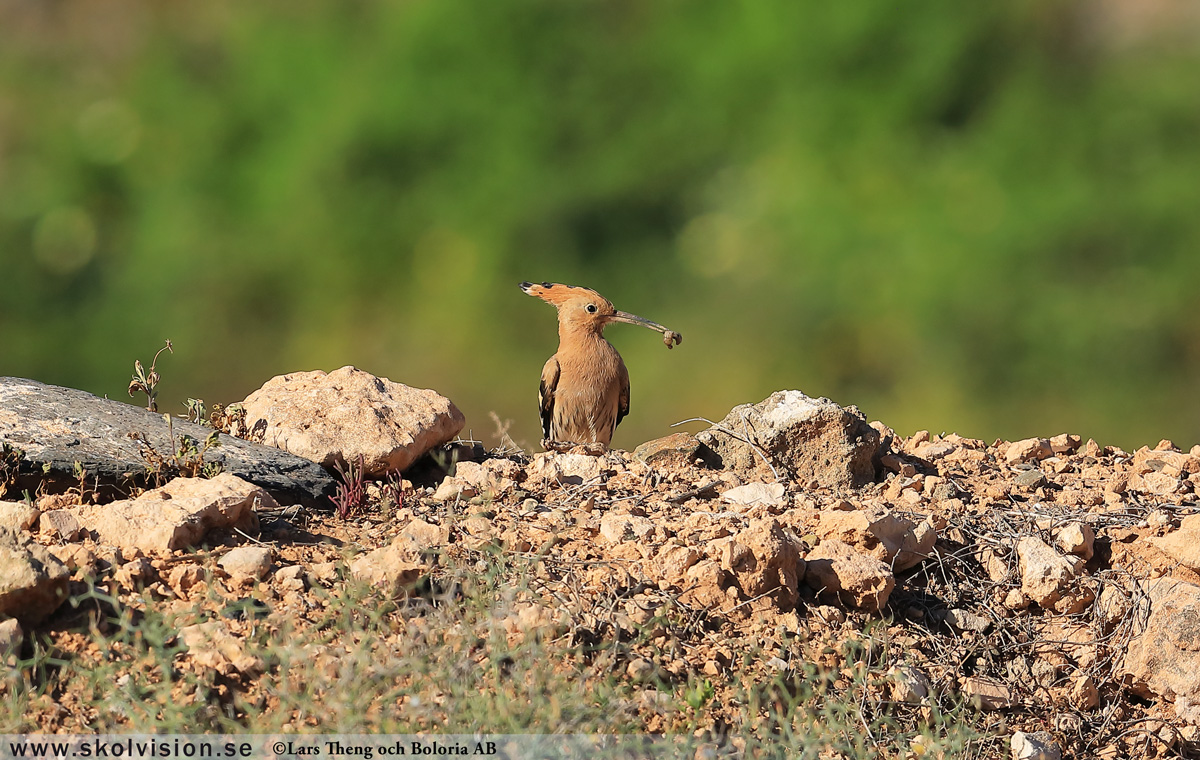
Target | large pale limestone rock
(809,439)
(177,515)
(32,580)
(348,413)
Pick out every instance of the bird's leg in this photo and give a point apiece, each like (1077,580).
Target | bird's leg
(560,447)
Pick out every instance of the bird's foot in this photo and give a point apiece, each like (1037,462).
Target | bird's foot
(571,447)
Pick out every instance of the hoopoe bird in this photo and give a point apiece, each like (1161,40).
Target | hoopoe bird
(584,393)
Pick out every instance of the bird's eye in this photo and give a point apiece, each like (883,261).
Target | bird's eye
(591,308)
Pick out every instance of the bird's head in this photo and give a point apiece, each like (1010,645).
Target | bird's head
(583,308)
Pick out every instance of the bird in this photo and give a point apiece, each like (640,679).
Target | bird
(584,393)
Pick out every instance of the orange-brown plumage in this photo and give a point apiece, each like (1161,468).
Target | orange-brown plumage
(584,392)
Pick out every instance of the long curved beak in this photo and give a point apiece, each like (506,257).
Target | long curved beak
(670,337)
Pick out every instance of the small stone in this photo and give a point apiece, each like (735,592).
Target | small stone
(1030,479)
(11,637)
(453,489)
(1082,692)
(617,527)
(136,573)
(247,562)
(1039,745)
(986,693)
(389,569)
(32,581)
(962,620)
(1015,600)
(1064,443)
(183,577)
(640,670)
(1028,450)
(1182,544)
(16,516)
(61,524)
(1045,574)
(753,494)
(909,685)
(1077,538)
(837,568)
(680,448)
(809,439)
(672,561)
(212,645)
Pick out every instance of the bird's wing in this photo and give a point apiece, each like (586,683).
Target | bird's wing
(546,394)
(623,399)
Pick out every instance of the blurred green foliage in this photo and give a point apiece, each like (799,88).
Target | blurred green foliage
(981,217)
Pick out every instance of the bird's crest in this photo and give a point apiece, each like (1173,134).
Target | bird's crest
(558,294)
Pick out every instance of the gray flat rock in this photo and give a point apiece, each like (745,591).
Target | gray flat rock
(57,427)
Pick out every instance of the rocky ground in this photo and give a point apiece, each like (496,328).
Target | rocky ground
(1050,585)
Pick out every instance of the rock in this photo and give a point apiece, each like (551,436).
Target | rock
(640,670)
(931,450)
(1028,450)
(837,568)
(1039,745)
(211,645)
(1182,544)
(765,560)
(178,515)
(348,413)
(247,562)
(1112,606)
(11,637)
(754,494)
(15,516)
(1045,574)
(1082,692)
(389,569)
(962,620)
(986,693)
(1064,443)
(617,527)
(32,580)
(677,449)
(672,561)
(453,489)
(419,537)
(1077,538)
(1030,479)
(705,585)
(183,577)
(492,478)
(1158,460)
(136,573)
(809,439)
(77,557)
(61,524)
(880,533)
(1156,483)
(1164,658)
(58,427)
(909,685)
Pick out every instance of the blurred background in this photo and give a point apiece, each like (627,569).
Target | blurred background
(970,217)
